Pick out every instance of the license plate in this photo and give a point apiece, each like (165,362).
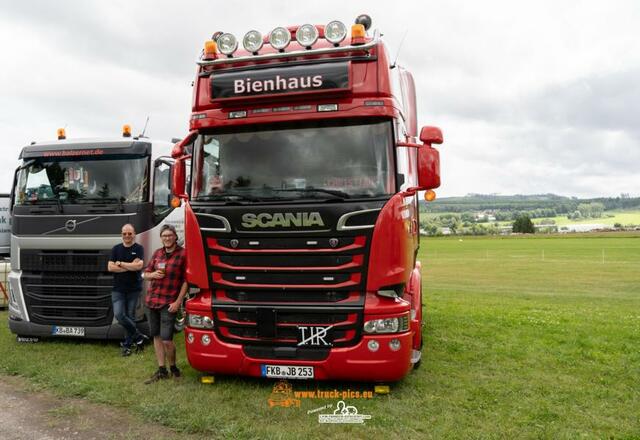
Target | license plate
(67,331)
(287,372)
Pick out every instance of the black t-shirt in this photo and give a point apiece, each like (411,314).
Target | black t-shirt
(128,281)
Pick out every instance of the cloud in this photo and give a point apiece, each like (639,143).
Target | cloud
(533,97)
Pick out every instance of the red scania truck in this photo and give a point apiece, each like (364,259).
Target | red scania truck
(301,215)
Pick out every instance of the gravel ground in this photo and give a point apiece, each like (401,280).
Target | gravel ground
(28,414)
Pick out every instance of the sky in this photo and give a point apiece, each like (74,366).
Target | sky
(532,97)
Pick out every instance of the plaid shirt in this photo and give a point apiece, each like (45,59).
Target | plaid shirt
(165,291)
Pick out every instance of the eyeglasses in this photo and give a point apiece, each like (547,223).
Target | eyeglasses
(127,233)
(167,236)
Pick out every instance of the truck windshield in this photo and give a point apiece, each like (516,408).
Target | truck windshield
(327,160)
(120,179)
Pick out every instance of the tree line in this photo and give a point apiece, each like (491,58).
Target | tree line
(533,205)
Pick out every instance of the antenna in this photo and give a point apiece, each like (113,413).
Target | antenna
(145,127)
(393,65)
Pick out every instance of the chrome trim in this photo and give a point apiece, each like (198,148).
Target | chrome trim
(284,232)
(342,220)
(297,53)
(75,215)
(227,225)
(75,225)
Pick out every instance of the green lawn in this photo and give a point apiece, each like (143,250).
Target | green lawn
(526,337)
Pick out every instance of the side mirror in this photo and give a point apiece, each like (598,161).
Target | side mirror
(178,177)
(428,159)
(431,135)
(178,171)
(428,167)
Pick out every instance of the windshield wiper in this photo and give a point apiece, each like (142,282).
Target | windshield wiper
(333,192)
(52,201)
(102,200)
(228,197)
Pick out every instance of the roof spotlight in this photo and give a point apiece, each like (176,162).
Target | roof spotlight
(280,38)
(335,32)
(252,41)
(227,44)
(307,35)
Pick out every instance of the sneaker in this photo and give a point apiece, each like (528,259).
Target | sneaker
(175,372)
(141,339)
(157,376)
(125,351)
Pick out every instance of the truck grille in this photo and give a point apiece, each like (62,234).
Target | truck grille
(67,287)
(266,288)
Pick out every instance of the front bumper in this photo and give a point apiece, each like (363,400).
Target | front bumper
(26,328)
(355,363)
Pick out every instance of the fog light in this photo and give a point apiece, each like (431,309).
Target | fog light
(206,339)
(190,338)
(307,35)
(335,32)
(280,38)
(373,345)
(394,344)
(227,44)
(252,41)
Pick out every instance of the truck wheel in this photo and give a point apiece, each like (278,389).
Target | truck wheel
(417,364)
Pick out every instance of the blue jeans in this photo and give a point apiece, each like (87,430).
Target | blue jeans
(124,308)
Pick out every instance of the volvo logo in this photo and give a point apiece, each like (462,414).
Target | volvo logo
(333,242)
(70,226)
(234,243)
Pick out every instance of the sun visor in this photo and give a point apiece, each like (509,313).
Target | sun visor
(85,149)
(289,80)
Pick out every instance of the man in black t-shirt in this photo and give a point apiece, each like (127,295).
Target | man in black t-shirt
(126,264)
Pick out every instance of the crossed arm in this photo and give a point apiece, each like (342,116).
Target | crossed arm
(120,266)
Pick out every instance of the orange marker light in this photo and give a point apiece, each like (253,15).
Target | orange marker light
(430,195)
(357,34)
(210,50)
(62,134)
(126,130)
(175,202)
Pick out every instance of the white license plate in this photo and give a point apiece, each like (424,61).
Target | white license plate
(287,372)
(67,331)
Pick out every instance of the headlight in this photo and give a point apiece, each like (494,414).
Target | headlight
(12,295)
(227,44)
(335,32)
(387,325)
(279,38)
(252,41)
(199,321)
(307,35)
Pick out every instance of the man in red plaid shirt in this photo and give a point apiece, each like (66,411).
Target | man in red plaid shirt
(166,290)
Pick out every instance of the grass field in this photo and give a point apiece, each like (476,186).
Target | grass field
(626,217)
(622,217)
(525,338)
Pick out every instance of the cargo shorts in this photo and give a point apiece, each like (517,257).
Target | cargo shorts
(161,322)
